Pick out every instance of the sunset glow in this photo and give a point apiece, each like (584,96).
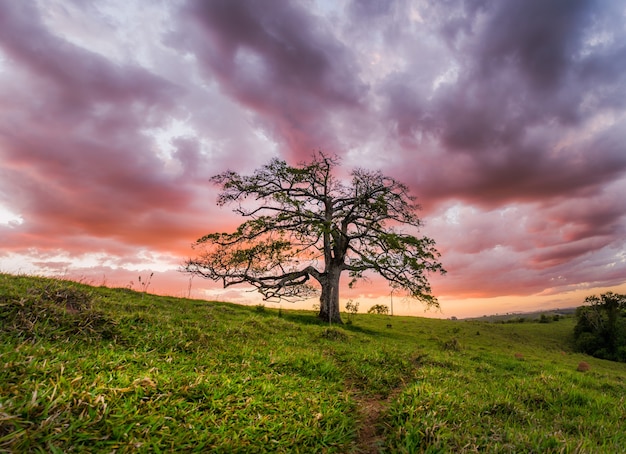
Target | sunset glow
(506,119)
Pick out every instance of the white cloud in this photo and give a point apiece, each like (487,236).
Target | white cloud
(10,218)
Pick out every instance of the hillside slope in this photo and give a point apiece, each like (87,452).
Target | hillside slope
(103,370)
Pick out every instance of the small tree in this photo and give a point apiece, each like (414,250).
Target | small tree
(601,326)
(305,223)
(352,308)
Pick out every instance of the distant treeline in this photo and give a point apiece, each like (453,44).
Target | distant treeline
(526,317)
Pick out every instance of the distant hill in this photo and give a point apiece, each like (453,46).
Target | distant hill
(528,316)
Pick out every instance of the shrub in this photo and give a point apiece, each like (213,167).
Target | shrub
(587,342)
(333,334)
(600,329)
(352,307)
(451,345)
(379,309)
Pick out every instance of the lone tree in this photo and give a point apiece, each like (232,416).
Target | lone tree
(303,223)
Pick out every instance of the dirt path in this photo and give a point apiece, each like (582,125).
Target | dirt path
(372,409)
(370,438)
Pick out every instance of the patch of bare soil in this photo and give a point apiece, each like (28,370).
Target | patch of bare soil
(372,410)
(370,439)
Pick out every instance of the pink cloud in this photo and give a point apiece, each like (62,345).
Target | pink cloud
(506,120)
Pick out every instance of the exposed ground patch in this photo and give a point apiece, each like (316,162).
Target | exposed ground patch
(372,411)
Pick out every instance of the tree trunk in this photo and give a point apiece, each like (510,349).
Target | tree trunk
(329,300)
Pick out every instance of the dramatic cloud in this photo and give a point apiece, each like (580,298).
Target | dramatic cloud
(282,63)
(506,119)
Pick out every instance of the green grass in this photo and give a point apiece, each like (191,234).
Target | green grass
(86,369)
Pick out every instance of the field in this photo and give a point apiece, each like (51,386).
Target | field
(85,369)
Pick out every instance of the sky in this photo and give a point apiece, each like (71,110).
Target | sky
(507,120)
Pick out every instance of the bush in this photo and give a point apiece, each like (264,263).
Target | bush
(588,343)
(600,329)
(379,309)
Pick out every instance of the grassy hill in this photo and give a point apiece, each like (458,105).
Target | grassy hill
(86,369)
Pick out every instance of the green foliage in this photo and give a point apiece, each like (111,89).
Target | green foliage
(178,375)
(601,327)
(379,309)
(306,226)
(352,307)
(545,319)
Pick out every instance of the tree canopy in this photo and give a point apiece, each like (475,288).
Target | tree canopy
(601,326)
(306,225)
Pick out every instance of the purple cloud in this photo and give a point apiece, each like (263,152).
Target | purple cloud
(505,119)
